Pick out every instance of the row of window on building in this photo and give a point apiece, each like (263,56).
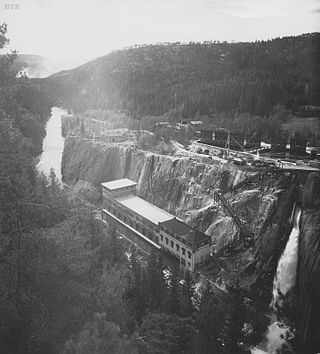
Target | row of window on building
(183,250)
(149,234)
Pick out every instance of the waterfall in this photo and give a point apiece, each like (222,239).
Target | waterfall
(284,280)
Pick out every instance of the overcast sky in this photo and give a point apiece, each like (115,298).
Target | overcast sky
(75,31)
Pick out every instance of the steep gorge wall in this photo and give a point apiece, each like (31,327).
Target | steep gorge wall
(309,265)
(167,181)
(180,185)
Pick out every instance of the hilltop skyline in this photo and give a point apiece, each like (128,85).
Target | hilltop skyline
(74,32)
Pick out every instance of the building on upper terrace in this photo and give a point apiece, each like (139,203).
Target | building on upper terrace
(253,141)
(206,135)
(151,228)
(279,141)
(116,136)
(298,144)
(223,138)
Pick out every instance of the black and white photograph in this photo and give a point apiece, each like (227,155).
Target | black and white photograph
(159,176)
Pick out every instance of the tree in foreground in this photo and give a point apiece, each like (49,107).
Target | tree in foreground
(209,321)
(156,286)
(233,336)
(187,294)
(99,336)
(161,333)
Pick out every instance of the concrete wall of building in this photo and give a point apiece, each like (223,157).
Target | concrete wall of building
(178,249)
(188,258)
(132,235)
(139,230)
(202,254)
(107,194)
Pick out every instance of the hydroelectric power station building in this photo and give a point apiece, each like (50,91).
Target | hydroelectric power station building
(151,228)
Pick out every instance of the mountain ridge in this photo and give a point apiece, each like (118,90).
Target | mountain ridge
(206,77)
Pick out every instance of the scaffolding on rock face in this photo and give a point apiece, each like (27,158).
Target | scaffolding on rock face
(244,236)
(197,202)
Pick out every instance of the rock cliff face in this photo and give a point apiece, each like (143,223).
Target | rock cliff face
(181,185)
(309,265)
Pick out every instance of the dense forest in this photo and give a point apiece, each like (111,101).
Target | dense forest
(204,78)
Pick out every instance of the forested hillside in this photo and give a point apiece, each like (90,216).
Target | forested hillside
(208,78)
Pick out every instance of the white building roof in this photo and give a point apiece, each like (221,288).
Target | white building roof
(118,183)
(145,209)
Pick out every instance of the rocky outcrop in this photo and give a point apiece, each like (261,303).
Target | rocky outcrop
(173,183)
(311,192)
(309,265)
(181,185)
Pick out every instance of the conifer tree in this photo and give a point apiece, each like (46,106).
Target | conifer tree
(156,289)
(233,336)
(187,293)
(117,254)
(162,333)
(209,322)
(174,291)
(137,292)
(99,336)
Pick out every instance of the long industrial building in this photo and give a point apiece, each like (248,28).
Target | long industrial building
(151,228)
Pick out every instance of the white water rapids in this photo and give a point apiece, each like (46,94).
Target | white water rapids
(284,280)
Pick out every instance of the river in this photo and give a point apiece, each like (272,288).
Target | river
(52,144)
